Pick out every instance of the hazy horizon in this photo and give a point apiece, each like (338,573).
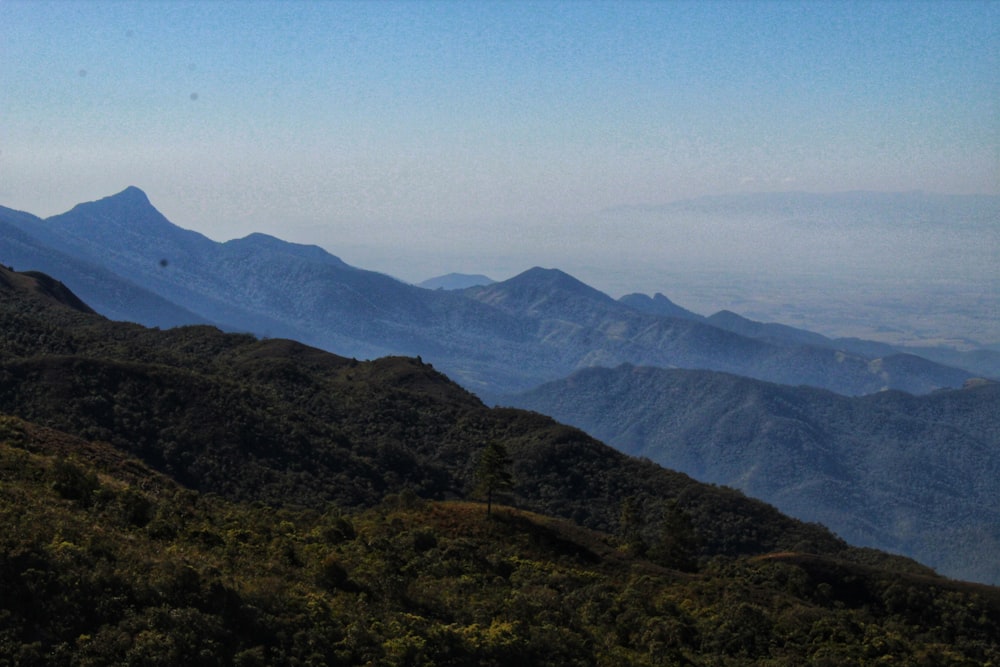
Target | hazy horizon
(903,268)
(490,137)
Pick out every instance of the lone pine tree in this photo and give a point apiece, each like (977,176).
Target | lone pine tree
(492,473)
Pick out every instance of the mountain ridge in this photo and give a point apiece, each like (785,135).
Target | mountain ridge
(658,304)
(912,474)
(303,426)
(452,281)
(482,336)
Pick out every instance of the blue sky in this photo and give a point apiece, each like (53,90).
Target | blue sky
(341,122)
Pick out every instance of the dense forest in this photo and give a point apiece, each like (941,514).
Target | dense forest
(917,475)
(282,423)
(193,497)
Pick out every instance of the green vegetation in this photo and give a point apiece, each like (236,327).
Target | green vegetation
(194,497)
(917,475)
(278,422)
(123,566)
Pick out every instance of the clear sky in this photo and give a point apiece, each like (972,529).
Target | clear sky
(333,122)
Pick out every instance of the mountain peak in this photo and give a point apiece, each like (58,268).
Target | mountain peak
(260,242)
(131,193)
(131,197)
(131,202)
(728,316)
(128,223)
(539,291)
(554,279)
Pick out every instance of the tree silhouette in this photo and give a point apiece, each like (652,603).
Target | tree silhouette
(492,474)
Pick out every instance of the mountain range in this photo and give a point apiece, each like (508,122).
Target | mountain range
(499,338)
(278,421)
(502,339)
(918,475)
(188,496)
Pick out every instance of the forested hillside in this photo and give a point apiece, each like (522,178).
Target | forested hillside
(277,421)
(194,497)
(106,562)
(917,475)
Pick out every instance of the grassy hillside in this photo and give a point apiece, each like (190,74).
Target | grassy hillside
(105,561)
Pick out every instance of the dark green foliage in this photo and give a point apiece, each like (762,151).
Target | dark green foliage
(72,482)
(424,583)
(675,542)
(283,423)
(630,525)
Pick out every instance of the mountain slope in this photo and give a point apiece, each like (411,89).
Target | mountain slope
(452,281)
(982,362)
(110,294)
(275,420)
(772,332)
(103,561)
(913,474)
(509,336)
(658,304)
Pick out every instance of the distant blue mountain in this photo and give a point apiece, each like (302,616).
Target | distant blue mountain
(538,326)
(777,333)
(979,362)
(25,245)
(918,475)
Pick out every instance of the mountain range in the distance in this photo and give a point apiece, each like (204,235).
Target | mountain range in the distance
(129,262)
(502,339)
